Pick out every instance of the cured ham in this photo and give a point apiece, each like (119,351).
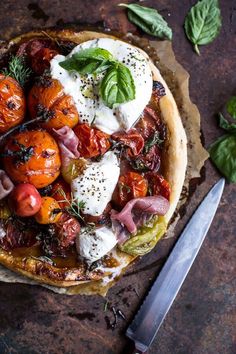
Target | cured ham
(154,205)
(6,185)
(68,142)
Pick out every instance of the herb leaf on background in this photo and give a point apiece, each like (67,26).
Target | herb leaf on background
(231,106)
(149,20)
(203,23)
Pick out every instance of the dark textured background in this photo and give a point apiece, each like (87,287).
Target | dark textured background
(203,317)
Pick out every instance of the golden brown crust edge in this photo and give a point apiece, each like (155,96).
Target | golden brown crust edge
(175,162)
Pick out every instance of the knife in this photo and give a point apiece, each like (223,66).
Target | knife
(157,303)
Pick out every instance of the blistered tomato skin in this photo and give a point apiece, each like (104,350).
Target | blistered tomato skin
(25,200)
(32,157)
(49,212)
(12,103)
(47,97)
(61,191)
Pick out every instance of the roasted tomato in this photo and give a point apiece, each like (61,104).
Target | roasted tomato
(99,220)
(49,212)
(47,99)
(132,139)
(32,157)
(131,185)
(61,192)
(19,233)
(92,142)
(67,228)
(148,161)
(57,238)
(12,103)
(149,123)
(157,185)
(41,59)
(39,53)
(25,200)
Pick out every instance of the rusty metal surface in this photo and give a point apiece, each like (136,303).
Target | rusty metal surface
(202,319)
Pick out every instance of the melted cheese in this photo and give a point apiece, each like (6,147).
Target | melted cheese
(94,244)
(97,183)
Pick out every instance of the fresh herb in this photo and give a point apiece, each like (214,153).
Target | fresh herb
(203,23)
(223,154)
(223,150)
(18,70)
(231,107)
(74,207)
(224,124)
(20,156)
(123,186)
(117,86)
(149,20)
(154,140)
(89,61)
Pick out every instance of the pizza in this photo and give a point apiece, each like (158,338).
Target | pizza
(93,156)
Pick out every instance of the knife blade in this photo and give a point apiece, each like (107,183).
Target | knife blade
(157,303)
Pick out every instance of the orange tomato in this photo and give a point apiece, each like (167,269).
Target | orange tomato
(49,212)
(12,103)
(131,185)
(47,97)
(92,142)
(32,157)
(62,193)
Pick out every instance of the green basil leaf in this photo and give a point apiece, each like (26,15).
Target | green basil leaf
(231,107)
(89,61)
(224,124)
(203,23)
(149,20)
(223,155)
(117,85)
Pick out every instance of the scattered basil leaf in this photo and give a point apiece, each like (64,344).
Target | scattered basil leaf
(89,61)
(223,154)
(203,23)
(149,20)
(117,86)
(231,107)
(224,124)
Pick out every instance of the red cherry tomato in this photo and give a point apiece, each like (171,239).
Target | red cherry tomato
(133,139)
(62,193)
(157,185)
(92,142)
(67,228)
(149,123)
(25,200)
(41,60)
(131,185)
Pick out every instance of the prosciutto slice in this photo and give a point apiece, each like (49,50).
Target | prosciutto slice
(68,142)
(154,205)
(6,184)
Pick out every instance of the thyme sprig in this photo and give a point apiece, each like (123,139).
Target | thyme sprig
(74,207)
(18,70)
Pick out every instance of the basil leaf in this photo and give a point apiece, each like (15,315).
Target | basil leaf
(223,155)
(224,124)
(149,20)
(89,61)
(117,85)
(203,22)
(231,107)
